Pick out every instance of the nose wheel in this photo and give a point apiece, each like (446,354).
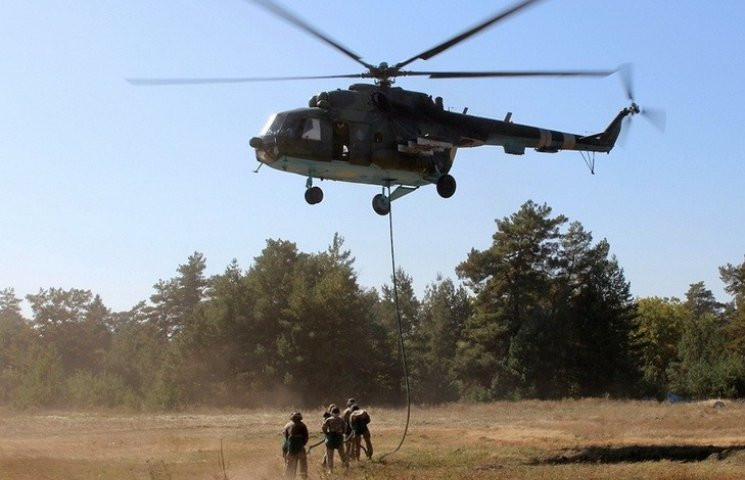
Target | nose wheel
(381,204)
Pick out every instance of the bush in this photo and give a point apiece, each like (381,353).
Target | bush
(40,382)
(85,390)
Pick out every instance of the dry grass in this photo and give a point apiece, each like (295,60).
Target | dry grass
(591,438)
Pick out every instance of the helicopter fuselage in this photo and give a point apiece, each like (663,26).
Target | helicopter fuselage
(381,135)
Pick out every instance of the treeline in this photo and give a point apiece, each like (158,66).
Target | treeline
(545,312)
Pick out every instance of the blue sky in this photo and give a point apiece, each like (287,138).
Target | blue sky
(109,187)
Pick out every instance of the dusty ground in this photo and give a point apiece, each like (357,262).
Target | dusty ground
(548,440)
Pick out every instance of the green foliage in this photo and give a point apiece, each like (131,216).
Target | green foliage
(86,390)
(708,360)
(660,327)
(544,312)
(75,322)
(553,315)
(16,336)
(137,351)
(733,277)
(705,367)
(442,319)
(40,379)
(176,300)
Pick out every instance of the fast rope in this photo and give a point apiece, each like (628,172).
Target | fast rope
(400,332)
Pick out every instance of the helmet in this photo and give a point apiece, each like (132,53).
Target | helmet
(296,416)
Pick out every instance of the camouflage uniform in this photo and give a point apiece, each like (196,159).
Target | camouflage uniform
(348,429)
(358,420)
(326,415)
(296,436)
(333,427)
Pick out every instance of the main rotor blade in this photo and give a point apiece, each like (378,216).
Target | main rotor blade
(207,81)
(286,15)
(627,78)
(426,55)
(516,73)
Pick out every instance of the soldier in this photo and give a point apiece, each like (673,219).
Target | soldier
(333,427)
(296,436)
(358,420)
(326,415)
(348,428)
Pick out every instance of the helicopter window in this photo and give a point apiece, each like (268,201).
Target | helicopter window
(272,126)
(312,129)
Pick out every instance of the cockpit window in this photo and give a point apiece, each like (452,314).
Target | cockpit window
(311,129)
(272,125)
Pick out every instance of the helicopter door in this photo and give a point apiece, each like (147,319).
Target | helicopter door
(359,150)
(340,135)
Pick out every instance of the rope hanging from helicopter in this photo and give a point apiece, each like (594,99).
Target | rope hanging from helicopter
(402,347)
(589,158)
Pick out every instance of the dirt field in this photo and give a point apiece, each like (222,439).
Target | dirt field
(570,439)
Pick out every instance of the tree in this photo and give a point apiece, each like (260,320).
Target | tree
(41,379)
(700,301)
(734,282)
(270,281)
(329,341)
(706,367)
(136,353)
(511,279)
(76,323)
(553,313)
(16,338)
(176,300)
(443,316)
(710,361)
(12,324)
(660,328)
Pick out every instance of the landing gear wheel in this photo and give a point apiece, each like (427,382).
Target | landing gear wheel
(446,186)
(313,195)
(381,204)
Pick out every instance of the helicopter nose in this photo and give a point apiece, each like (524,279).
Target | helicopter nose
(256,142)
(266,149)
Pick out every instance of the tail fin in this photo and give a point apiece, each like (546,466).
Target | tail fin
(606,140)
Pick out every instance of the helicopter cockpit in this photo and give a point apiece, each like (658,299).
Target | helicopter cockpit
(296,133)
(299,133)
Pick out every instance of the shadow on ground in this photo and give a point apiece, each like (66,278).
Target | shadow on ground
(643,453)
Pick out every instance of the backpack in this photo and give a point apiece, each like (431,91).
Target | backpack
(294,444)
(358,420)
(334,440)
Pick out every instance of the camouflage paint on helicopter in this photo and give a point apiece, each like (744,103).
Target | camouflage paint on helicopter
(387,136)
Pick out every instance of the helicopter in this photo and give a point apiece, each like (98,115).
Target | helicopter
(383,135)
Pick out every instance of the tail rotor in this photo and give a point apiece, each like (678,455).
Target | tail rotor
(657,117)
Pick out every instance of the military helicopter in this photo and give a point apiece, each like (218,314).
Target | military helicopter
(382,135)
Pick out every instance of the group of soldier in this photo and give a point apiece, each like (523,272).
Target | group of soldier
(343,433)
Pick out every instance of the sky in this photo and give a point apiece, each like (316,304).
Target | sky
(109,187)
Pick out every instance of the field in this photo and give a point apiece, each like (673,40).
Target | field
(588,439)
